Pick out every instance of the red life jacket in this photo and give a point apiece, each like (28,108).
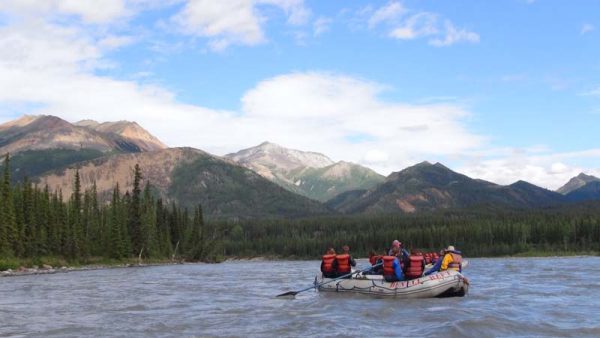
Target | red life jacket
(435,257)
(373,259)
(388,266)
(456,263)
(415,266)
(327,264)
(343,264)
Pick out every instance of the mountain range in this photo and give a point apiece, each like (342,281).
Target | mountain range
(267,180)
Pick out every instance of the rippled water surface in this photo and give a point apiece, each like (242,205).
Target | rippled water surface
(508,297)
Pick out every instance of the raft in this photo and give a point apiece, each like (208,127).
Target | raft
(448,283)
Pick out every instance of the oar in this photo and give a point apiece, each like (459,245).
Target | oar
(293,293)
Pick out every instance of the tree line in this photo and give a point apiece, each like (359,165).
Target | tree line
(477,232)
(37,222)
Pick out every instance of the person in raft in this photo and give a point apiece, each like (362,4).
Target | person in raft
(451,260)
(392,271)
(375,259)
(328,264)
(402,252)
(416,265)
(344,262)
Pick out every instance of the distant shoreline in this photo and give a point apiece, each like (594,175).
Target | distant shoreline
(47,269)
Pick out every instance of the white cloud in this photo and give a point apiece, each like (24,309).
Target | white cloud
(548,170)
(405,26)
(416,26)
(234,21)
(453,35)
(90,11)
(388,13)
(586,28)
(321,25)
(592,92)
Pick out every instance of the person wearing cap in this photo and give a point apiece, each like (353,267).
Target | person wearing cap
(450,260)
(401,253)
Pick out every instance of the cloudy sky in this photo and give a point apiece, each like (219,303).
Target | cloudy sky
(498,90)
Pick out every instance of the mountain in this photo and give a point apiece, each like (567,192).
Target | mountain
(190,177)
(589,192)
(427,187)
(309,174)
(127,130)
(576,183)
(41,143)
(50,132)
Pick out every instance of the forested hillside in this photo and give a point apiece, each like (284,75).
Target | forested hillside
(36,223)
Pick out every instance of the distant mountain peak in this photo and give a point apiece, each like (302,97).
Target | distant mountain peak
(576,183)
(584,176)
(308,173)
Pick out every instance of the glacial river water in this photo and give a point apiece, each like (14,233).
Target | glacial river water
(508,297)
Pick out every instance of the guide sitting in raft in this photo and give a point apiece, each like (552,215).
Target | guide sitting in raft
(452,260)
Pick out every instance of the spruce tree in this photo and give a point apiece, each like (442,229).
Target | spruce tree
(7,216)
(135,213)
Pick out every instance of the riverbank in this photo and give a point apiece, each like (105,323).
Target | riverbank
(51,265)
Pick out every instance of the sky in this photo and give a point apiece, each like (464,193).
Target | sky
(499,90)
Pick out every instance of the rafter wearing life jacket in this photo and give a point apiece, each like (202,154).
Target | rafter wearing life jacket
(343,266)
(392,272)
(373,259)
(415,267)
(452,261)
(328,266)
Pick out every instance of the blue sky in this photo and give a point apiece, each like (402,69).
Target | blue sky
(500,90)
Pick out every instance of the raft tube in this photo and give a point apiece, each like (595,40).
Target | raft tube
(448,283)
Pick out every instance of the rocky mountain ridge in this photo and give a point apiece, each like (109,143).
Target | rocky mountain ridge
(310,174)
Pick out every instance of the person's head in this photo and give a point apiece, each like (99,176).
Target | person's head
(331,251)
(450,248)
(346,249)
(396,243)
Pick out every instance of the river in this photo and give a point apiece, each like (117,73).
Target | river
(508,297)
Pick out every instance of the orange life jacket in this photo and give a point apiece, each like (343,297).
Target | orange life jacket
(373,259)
(388,265)
(343,264)
(415,266)
(327,264)
(456,263)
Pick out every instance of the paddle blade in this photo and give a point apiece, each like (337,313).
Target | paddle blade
(289,295)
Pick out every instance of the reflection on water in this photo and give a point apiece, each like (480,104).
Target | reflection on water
(508,297)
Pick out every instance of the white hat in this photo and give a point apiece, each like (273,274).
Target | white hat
(450,248)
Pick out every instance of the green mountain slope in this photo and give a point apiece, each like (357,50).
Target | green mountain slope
(427,187)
